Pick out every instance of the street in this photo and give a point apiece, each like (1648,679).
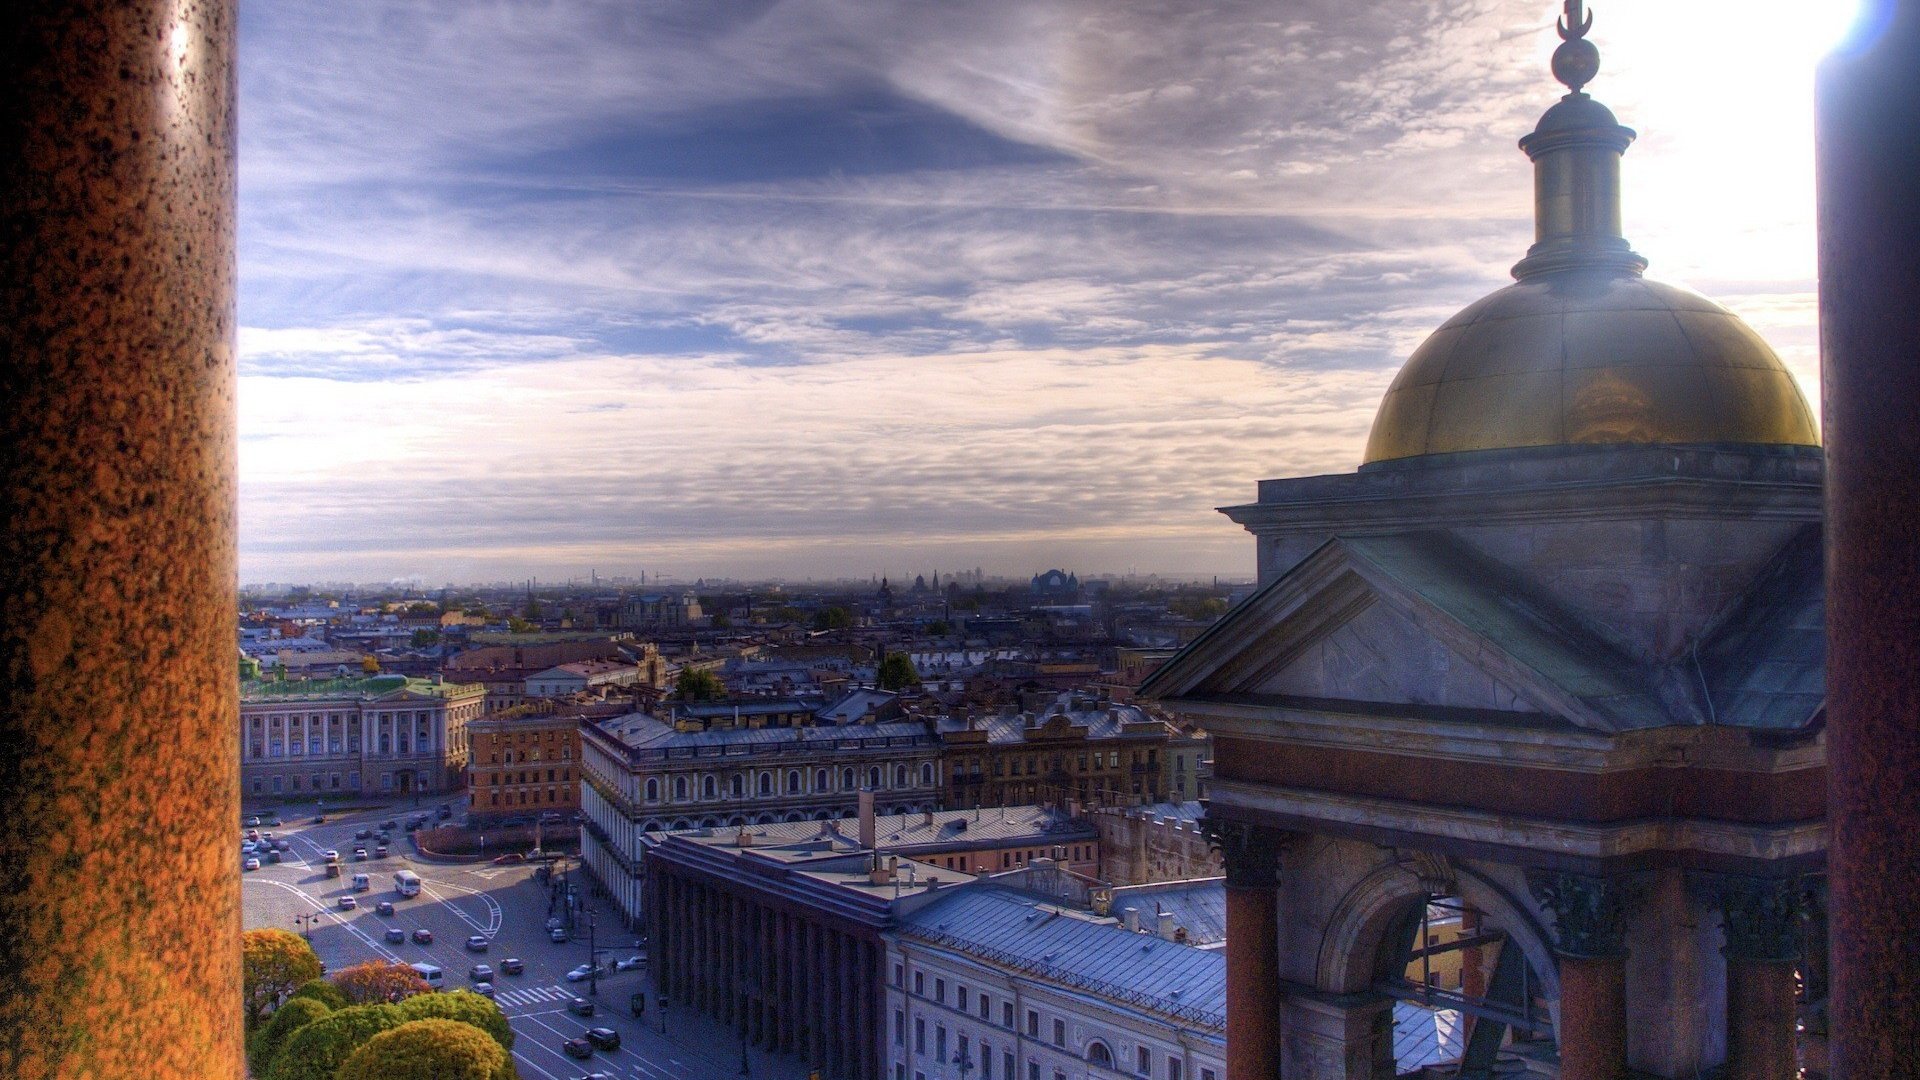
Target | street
(508,907)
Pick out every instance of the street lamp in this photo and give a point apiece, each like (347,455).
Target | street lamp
(305,923)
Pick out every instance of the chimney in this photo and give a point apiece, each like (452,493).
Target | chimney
(867,839)
(1130,918)
(880,875)
(1166,925)
(743,838)
(927,820)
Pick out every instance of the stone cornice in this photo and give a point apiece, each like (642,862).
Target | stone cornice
(1371,818)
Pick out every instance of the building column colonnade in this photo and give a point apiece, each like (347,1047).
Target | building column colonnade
(1252,857)
(1590,915)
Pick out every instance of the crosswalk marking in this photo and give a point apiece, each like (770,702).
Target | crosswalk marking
(532,996)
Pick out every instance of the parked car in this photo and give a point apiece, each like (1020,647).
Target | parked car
(396,936)
(509,859)
(480,973)
(446,812)
(558,934)
(380,852)
(331,855)
(484,989)
(604,1038)
(476,943)
(384,907)
(271,820)
(273,856)
(512,966)
(630,963)
(250,864)
(578,1048)
(389,824)
(556,923)
(348,903)
(319,819)
(580,1006)
(252,822)
(423,936)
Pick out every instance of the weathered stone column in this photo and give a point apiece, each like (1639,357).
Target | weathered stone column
(1252,857)
(119,793)
(1762,922)
(1868,153)
(1589,917)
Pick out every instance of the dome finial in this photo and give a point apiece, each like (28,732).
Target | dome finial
(1576,61)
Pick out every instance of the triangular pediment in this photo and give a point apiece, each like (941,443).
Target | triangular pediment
(1419,621)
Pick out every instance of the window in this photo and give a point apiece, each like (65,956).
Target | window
(846,779)
(940,991)
(707,788)
(899,1028)
(899,776)
(899,975)
(766,783)
(919,1035)
(1173,1067)
(277,781)
(1059,1033)
(960,998)
(1207,1074)
(793,781)
(873,777)
(1006,1065)
(353,780)
(1033,1070)
(985,1007)
(1033,1024)
(820,780)
(1146,1062)
(986,1062)
(940,1042)
(926,774)
(738,786)
(1006,1015)
(1098,1054)
(679,787)
(920,983)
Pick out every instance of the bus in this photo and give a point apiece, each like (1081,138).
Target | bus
(406,883)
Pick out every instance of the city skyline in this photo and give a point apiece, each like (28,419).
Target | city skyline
(998,285)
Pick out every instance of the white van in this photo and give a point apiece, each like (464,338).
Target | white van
(362,883)
(430,973)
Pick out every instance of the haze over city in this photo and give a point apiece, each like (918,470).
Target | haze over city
(820,289)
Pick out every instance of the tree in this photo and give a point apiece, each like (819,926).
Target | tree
(316,1051)
(428,1050)
(832,618)
(379,980)
(939,628)
(896,672)
(324,992)
(698,684)
(721,622)
(518,625)
(370,664)
(273,963)
(423,637)
(297,1012)
(464,1006)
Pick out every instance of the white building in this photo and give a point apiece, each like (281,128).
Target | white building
(388,734)
(992,984)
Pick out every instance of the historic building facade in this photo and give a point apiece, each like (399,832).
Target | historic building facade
(384,735)
(1552,659)
(1073,749)
(524,765)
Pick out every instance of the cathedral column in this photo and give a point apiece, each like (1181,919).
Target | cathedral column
(1252,857)
(1762,923)
(1589,915)
(1867,150)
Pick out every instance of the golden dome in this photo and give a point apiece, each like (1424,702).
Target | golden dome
(1582,349)
(1589,357)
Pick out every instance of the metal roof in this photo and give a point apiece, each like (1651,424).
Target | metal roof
(1141,970)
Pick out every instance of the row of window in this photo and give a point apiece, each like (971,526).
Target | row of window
(795,782)
(316,782)
(554,798)
(276,719)
(566,754)
(1021,857)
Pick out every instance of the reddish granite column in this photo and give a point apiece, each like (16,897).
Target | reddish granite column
(119,731)
(1761,920)
(1589,915)
(1253,950)
(1868,154)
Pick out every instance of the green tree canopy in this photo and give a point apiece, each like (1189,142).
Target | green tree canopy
(464,1006)
(316,1051)
(696,684)
(324,992)
(896,672)
(518,625)
(832,618)
(939,628)
(428,1050)
(273,963)
(424,637)
(297,1012)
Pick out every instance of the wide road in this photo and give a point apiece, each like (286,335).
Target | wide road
(509,908)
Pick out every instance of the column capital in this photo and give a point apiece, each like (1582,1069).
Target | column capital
(1762,916)
(1589,910)
(1251,852)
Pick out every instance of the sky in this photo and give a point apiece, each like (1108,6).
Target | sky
(810,288)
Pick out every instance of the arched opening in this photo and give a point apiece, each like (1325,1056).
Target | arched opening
(653,789)
(708,788)
(795,815)
(1098,1054)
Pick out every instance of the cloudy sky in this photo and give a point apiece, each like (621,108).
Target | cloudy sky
(812,287)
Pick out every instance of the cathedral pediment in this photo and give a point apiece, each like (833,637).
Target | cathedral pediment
(1419,621)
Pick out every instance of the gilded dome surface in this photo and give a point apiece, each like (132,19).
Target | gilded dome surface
(1589,357)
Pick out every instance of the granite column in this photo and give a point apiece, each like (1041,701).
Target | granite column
(1589,918)
(1253,950)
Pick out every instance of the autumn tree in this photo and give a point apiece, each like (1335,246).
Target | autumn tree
(379,980)
(464,1006)
(316,1051)
(433,1049)
(273,962)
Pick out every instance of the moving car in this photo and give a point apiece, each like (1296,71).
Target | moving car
(331,855)
(363,834)
(250,864)
(362,883)
(348,903)
(423,936)
(580,1007)
(319,819)
(396,936)
(384,907)
(476,943)
(359,854)
(484,989)
(389,824)
(480,973)
(380,852)
(253,822)
(581,973)
(630,963)
(558,933)
(578,1048)
(512,966)
(603,1038)
(273,856)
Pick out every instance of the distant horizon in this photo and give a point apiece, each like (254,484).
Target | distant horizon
(626,582)
(787,290)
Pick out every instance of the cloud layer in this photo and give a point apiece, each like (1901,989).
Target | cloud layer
(810,288)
